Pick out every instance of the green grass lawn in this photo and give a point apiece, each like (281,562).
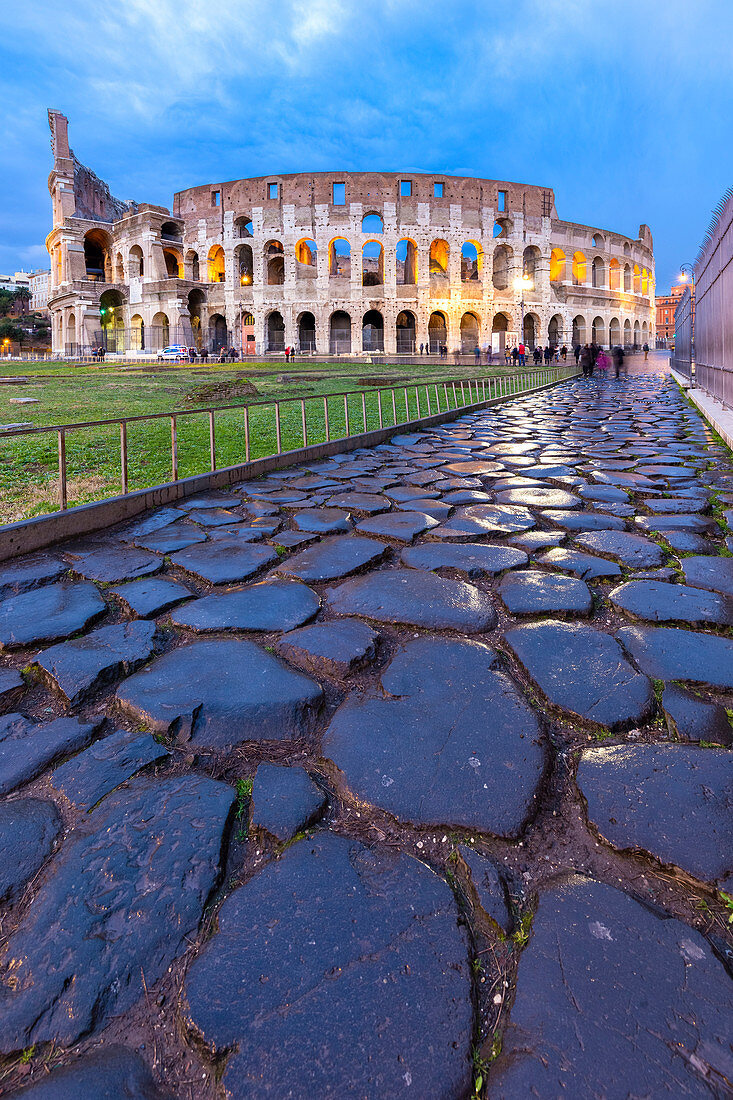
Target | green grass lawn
(71,394)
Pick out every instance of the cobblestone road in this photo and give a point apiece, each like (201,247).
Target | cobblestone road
(407,772)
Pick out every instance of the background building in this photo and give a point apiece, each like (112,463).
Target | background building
(666,304)
(40,283)
(336,263)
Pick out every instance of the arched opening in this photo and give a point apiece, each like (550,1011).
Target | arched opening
(530,261)
(439,257)
(249,344)
(599,331)
(637,279)
(218,335)
(372,223)
(597,240)
(306,257)
(196,300)
(627,249)
(469,332)
(119,269)
(644,282)
(555,330)
(215,264)
(243,226)
(340,333)
(627,278)
(627,333)
(406,262)
(405,332)
(274,263)
(244,261)
(499,329)
(502,259)
(579,336)
(192,265)
(339,258)
(372,264)
(437,333)
(472,261)
(97,262)
(136,262)
(169,231)
(174,263)
(580,269)
(502,227)
(531,328)
(161,332)
(137,333)
(598,272)
(307,332)
(614,275)
(111,317)
(372,331)
(275,329)
(71,335)
(557,266)
(614,332)
(644,332)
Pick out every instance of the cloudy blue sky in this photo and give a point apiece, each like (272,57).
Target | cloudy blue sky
(624,108)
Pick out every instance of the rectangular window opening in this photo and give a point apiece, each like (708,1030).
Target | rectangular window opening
(502,202)
(437,190)
(339,194)
(272,190)
(216,198)
(405,188)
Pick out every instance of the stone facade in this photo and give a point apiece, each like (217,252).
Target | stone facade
(326,262)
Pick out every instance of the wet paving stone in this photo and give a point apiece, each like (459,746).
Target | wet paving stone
(414,598)
(110,564)
(334,649)
(596,957)
(49,613)
(106,1074)
(169,539)
(582,565)
(125,895)
(20,576)
(583,671)
(12,686)
(693,524)
(29,828)
(225,562)
(269,605)
(635,551)
(354,939)
(539,498)
(673,801)
(322,521)
(484,519)
(422,748)
(582,521)
(657,601)
(150,597)
(105,765)
(531,592)
(401,526)
(213,517)
(333,558)
(285,800)
(220,693)
(370,503)
(473,558)
(490,889)
(27,747)
(80,666)
(532,541)
(715,574)
(692,719)
(668,653)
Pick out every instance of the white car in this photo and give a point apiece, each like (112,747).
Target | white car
(175,352)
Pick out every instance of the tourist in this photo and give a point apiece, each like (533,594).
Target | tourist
(537,355)
(645,349)
(489,353)
(477,354)
(233,354)
(564,353)
(515,355)
(287,354)
(548,354)
(192,355)
(204,354)
(507,355)
(421,347)
(522,355)
(292,354)
(586,362)
(602,362)
(576,352)
(222,355)
(618,359)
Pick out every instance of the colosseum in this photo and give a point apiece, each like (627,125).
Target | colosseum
(336,263)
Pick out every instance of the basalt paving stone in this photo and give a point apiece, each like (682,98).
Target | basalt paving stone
(474,558)
(451,483)
(110,1073)
(110,564)
(221,693)
(169,539)
(635,551)
(225,561)
(614,1000)
(547,472)
(668,472)
(530,592)
(281,496)
(400,493)
(355,939)
(46,614)
(414,598)
(531,541)
(467,496)
(214,517)
(80,666)
(126,892)
(269,605)
(490,889)
(210,500)
(162,517)
(333,558)
(29,573)
(485,519)
(604,494)
(27,747)
(322,521)
(28,829)
(292,540)
(715,574)
(11,686)
(674,801)
(676,505)
(424,748)
(475,469)
(284,800)
(436,509)
(582,671)
(243,533)
(401,526)
(582,565)
(666,573)
(667,653)
(105,765)
(313,481)
(539,498)
(657,601)
(360,502)
(582,521)
(150,597)
(693,719)
(622,480)
(692,524)
(259,508)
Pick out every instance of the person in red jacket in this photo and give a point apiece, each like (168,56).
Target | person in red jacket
(522,355)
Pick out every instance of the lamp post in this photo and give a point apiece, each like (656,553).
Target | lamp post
(687,272)
(522,283)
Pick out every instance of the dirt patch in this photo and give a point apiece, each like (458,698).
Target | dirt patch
(227,390)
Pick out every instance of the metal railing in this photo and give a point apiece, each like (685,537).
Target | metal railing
(294,422)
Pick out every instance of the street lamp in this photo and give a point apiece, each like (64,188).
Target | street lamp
(522,283)
(687,272)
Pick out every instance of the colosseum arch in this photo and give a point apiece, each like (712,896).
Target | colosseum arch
(406,255)
(579,269)
(637,279)
(439,257)
(244,264)
(614,275)
(372,223)
(70,346)
(191,265)
(136,262)
(169,231)
(372,331)
(472,261)
(306,331)
(274,263)
(196,312)
(339,258)
(644,332)
(275,330)
(614,331)
(501,265)
(470,328)
(499,328)
(627,333)
(597,240)
(306,258)
(215,265)
(112,320)
(555,330)
(119,269)
(218,335)
(137,333)
(97,256)
(598,272)
(557,266)
(437,332)
(530,262)
(599,331)
(502,227)
(406,327)
(174,263)
(340,333)
(243,226)
(372,264)
(579,334)
(531,329)
(161,332)
(644,282)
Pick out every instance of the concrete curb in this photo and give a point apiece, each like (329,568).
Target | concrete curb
(28,535)
(718,417)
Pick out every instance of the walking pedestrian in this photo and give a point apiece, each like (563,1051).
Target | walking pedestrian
(548,354)
(537,355)
(515,355)
(602,363)
(421,347)
(618,359)
(522,355)
(645,349)
(564,353)
(477,354)
(586,361)
(576,352)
